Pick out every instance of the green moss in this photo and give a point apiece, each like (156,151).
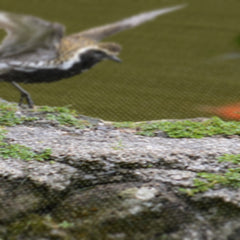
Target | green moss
(35,226)
(7,115)
(229,178)
(65,224)
(68,120)
(49,109)
(21,152)
(64,116)
(2,133)
(185,128)
(233,158)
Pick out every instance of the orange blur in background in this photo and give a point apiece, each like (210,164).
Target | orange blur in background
(230,111)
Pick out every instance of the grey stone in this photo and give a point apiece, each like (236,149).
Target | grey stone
(108,183)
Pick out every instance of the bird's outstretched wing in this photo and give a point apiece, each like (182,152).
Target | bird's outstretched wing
(29,35)
(98,33)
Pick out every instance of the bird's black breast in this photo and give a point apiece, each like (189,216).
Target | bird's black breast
(36,76)
(51,74)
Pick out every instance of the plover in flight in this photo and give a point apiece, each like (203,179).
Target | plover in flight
(36,51)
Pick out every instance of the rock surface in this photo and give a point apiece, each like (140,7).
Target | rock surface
(108,183)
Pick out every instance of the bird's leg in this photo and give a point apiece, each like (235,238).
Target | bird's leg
(24,94)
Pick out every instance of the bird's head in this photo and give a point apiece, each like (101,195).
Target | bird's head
(96,53)
(107,50)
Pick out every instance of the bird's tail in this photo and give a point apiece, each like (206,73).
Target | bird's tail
(98,33)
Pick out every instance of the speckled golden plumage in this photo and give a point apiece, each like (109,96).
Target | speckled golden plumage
(68,44)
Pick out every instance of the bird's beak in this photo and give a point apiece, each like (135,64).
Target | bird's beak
(115,58)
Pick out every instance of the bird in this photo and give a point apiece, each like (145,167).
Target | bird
(35,50)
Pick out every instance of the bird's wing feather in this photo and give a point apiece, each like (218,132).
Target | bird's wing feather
(28,34)
(101,32)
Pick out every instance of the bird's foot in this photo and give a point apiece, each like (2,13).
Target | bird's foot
(28,99)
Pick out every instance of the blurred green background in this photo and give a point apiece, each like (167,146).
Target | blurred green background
(170,66)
